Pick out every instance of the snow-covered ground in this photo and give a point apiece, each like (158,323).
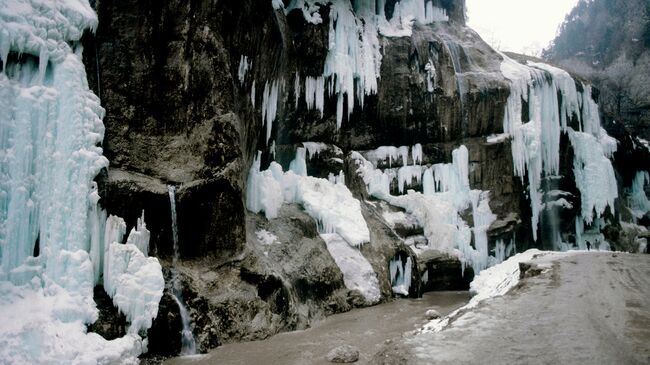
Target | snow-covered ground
(584,308)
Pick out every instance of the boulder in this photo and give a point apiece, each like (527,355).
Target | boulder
(432,314)
(343,354)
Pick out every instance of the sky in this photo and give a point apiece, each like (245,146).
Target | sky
(522,26)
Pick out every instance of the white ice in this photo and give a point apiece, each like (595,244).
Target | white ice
(637,200)
(536,143)
(330,204)
(357,272)
(400,275)
(445,194)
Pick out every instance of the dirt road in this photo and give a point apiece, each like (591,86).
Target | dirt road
(588,308)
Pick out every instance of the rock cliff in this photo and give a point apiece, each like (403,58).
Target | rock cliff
(192,90)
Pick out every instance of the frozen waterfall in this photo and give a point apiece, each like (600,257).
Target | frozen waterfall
(50,134)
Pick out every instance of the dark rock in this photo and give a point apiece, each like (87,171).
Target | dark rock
(394,353)
(164,336)
(528,270)
(443,271)
(110,324)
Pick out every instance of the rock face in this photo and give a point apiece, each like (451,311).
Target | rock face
(185,86)
(111,324)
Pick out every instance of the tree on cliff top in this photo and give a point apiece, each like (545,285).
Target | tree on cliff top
(599,31)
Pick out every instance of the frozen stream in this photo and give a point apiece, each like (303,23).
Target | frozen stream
(366,328)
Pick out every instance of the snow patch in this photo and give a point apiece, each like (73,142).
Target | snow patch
(357,271)
(331,204)
(266,238)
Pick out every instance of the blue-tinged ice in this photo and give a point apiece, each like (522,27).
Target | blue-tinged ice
(536,143)
(50,133)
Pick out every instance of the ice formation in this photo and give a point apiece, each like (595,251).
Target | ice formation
(357,271)
(139,236)
(392,153)
(353,63)
(244,66)
(536,143)
(400,275)
(637,200)
(315,93)
(253,94)
(330,204)
(135,283)
(445,194)
(270,104)
(594,176)
(50,131)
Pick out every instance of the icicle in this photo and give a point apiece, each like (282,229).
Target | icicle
(244,66)
(296,90)
(270,105)
(253,94)
(536,144)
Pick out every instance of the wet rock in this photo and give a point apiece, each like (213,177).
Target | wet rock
(344,354)
(110,324)
(164,336)
(528,270)
(432,314)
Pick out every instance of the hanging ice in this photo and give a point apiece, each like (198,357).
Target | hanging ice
(354,59)
(315,93)
(637,200)
(270,105)
(244,66)
(594,176)
(536,143)
(446,193)
(400,275)
(50,131)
